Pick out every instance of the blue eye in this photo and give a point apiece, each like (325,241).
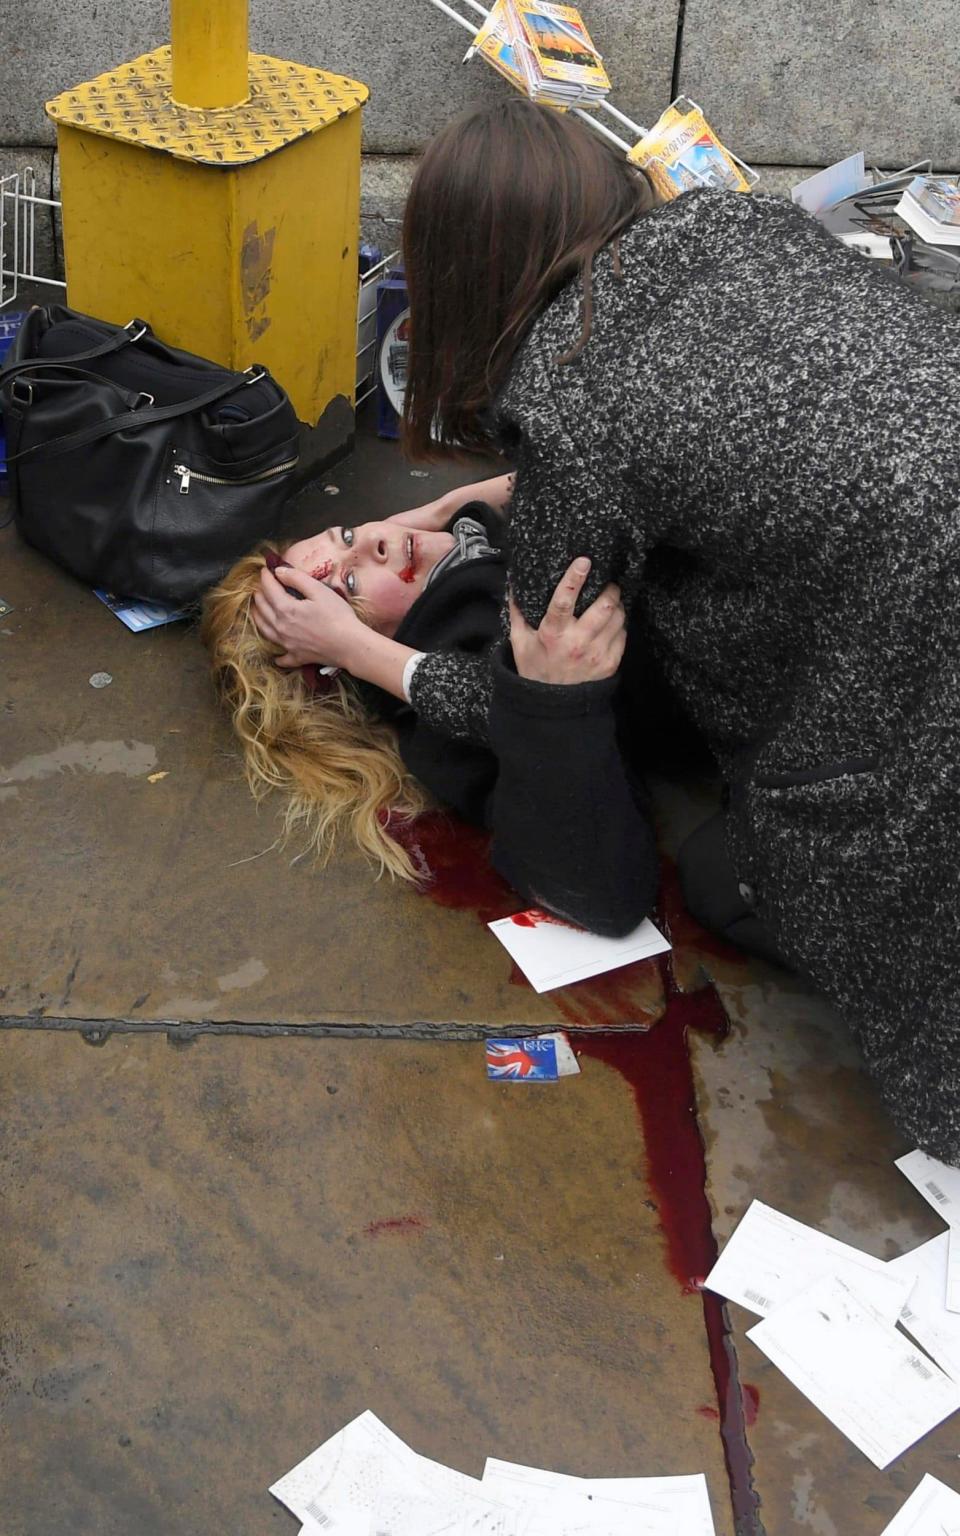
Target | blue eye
(347,535)
(350,582)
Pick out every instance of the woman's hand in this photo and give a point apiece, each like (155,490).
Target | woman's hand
(317,628)
(566,649)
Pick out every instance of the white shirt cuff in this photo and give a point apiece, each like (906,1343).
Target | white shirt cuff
(410,666)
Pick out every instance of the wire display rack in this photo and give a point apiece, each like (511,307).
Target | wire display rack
(637,130)
(19,202)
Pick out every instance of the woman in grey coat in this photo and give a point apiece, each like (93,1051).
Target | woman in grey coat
(754,432)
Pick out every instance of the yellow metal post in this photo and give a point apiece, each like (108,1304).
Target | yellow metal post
(232,229)
(209,43)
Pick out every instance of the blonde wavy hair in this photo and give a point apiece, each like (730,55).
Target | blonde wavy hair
(339,768)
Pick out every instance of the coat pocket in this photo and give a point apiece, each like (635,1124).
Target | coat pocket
(821,773)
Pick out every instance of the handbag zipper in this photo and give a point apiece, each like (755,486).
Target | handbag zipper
(187,474)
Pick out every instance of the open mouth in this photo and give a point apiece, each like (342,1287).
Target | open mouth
(409,570)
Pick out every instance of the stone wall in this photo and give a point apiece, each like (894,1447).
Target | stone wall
(788,83)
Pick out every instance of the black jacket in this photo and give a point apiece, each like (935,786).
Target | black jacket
(563,802)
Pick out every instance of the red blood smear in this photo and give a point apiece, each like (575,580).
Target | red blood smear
(657,1067)
(534,918)
(322,571)
(454,863)
(407,574)
(395,1224)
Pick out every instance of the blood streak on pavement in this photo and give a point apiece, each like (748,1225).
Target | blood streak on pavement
(456,872)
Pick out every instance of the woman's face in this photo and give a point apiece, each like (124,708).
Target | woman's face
(385,564)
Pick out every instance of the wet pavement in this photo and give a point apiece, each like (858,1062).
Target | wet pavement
(227,1231)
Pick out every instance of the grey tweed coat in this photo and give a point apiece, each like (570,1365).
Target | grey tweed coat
(761,443)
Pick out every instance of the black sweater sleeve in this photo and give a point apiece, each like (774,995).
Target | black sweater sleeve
(569,833)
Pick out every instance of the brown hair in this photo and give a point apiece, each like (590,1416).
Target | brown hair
(508,203)
(336,767)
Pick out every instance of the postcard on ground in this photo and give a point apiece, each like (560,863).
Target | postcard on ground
(552,953)
(770,1257)
(862,1374)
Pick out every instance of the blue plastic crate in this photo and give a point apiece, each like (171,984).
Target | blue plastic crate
(10,323)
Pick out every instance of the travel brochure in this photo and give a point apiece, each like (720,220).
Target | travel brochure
(681,152)
(545,50)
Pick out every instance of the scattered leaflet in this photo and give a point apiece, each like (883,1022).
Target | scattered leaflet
(545,50)
(137,615)
(770,1258)
(552,953)
(681,152)
(931,206)
(925,1315)
(932,1509)
(366,1474)
(863,1375)
(939,1184)
(658,1506)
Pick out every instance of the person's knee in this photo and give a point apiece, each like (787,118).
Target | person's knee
(707,879)
(715,897)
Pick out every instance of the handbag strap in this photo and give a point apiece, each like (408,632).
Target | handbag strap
(129,396)
(124,337)
(147,416)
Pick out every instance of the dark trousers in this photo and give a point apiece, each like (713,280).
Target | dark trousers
(715,897)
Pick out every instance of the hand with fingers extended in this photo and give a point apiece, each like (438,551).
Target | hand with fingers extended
(566,649)
(315,625)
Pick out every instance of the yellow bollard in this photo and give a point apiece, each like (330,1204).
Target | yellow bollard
(209,43)
(232,229)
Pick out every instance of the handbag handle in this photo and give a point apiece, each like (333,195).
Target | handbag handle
(145,417)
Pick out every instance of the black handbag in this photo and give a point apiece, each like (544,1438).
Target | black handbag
(134,465)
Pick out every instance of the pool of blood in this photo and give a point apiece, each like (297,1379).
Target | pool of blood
(453,859)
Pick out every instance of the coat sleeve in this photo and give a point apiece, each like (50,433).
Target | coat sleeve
(570,831)
(573,496)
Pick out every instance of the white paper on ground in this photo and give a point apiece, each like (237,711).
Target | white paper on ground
(366,1471)
(924,1313)
(937,1182)
(770,1257)
(665,1504)
(952,1294)
(551,953)
(827,187)
(932,1509)
(865,1376)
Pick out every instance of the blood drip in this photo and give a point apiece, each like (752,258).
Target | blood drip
(657,1067)
(407,574)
